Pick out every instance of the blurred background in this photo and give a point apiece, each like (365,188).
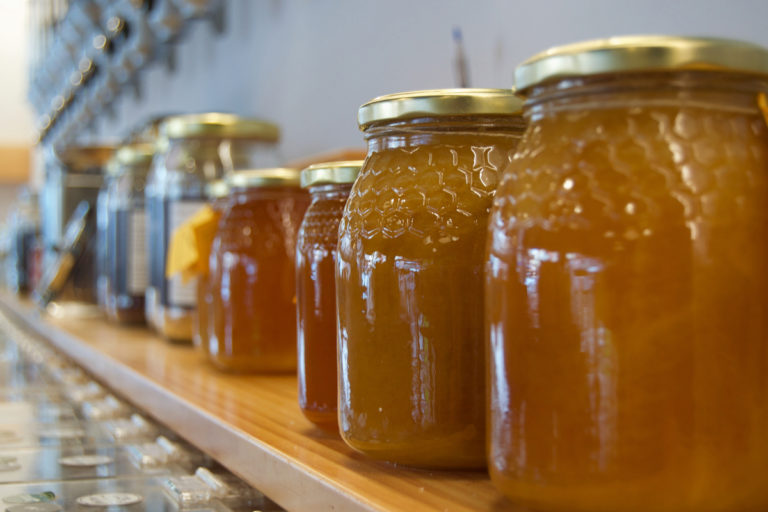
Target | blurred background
(74,75)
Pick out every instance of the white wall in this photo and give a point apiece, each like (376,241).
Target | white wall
(16,125)
(308,64)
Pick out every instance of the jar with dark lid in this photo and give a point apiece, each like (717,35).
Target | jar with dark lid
(627,281)
(127,254)
(75,174)
(253,273)
(195,149)
(329,185)
(217,193)
(410,275)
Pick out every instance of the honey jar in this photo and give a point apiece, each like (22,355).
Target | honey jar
(329,185)
(627,281)
(194,149)
(217,193)
(126,253)
(252,314)
(409,275)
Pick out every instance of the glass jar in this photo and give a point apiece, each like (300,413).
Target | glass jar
(196,149)
(409,275)
(103,238)
(74,174)
(127,271)
(627,281)
(217,193)
(253,273)
(329,185)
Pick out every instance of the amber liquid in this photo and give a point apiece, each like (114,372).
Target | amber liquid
(409,288)
(253,280)
(316,292)
(627,302)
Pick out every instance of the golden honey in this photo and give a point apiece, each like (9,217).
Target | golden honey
(627,285)
(329,186)
(409,276)
(252,313)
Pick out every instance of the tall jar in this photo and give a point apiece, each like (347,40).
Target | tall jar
(196,149)
(627,281)
(329,185)
(75,174)
(127,270)
(410,272)
(253,273)
(103,235)
(217,193)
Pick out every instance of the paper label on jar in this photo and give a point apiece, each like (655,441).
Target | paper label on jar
(138,274)
(109,499)
(182,293)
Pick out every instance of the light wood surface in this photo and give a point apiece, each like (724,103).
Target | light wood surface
(251,424)
(14,164)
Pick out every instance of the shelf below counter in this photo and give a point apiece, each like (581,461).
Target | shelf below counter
(250,424)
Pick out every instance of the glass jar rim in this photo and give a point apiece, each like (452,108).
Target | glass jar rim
(269,177)
(439,102)
(219,125)
(329,173)
(644,53)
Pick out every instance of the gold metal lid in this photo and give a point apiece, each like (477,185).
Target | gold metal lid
(253,178)
(82,158)
(641,53)
(331,172)
(439,102)
(220,125)
(216,189)
(133,154)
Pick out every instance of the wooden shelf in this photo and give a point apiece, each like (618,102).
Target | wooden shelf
(251,424)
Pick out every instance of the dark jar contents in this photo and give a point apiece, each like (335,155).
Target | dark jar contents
(627,282)
(253,273)
(217,193)
(410,275)
(329,185)
(127,269)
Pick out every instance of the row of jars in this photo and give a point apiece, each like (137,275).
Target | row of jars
(571,289)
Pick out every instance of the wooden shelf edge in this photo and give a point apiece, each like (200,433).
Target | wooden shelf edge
(290,484)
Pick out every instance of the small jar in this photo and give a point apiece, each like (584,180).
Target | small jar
(410,275)
(127,269)
(217,193)
(253,273)
(196,149)
(329,185)
(627,281)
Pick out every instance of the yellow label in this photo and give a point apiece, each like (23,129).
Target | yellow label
(190,246)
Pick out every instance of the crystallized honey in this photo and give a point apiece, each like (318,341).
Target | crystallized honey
(409,285)
(627,295)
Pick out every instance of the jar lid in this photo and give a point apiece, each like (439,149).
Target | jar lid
(641,53)
(134,154)
(439,102)
(331,172)
(83,158)
(220,125)
(216,189)
(254,178)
